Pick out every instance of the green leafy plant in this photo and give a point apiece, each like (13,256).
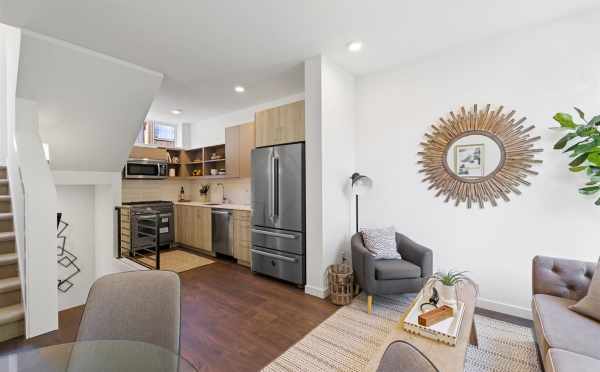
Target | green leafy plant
(582,143)
(204,189)
(451,277)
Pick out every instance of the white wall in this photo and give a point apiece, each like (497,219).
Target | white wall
(77,206)
(314,177)
(90,105)
(212,131)
(338,149)
(40,207)
(538,72)
(330,138)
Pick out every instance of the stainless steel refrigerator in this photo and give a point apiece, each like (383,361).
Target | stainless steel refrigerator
(278,212)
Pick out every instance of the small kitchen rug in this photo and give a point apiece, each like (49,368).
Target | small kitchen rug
(177,260)
(347,340)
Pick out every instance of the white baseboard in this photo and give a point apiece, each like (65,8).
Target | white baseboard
(500,307)
(316,291)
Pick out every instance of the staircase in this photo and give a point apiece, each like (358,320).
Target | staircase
(12,323)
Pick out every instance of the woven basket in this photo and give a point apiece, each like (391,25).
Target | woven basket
(341,284)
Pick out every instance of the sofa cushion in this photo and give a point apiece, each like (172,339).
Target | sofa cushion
(559,327)
(381,243)
(566,361)
(590,304)
(396,269)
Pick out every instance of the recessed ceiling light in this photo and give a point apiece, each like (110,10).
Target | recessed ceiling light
(239,89)
(355,46)
(177,112)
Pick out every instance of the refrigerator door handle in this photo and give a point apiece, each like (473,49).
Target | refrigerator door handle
(278,235)
(276,187)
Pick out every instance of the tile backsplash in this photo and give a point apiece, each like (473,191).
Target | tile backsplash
(237,190)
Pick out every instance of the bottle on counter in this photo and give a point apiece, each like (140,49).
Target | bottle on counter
(182,194)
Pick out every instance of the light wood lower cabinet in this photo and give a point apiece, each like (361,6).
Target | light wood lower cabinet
(193,227)
(242,237)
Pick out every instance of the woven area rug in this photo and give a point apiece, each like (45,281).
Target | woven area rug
(347,339)
(177,260)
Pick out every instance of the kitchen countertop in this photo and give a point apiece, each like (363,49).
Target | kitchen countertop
(241,207)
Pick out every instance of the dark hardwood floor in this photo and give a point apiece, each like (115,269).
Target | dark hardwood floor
(232,320)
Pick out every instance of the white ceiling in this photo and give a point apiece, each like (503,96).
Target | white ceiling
(206,47)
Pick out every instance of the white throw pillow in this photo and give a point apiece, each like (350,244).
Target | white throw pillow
(381,243)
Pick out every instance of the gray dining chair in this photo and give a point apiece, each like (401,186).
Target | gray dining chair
(140,306)
(400,356)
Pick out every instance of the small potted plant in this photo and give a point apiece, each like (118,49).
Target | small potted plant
(204,193)
(445,283)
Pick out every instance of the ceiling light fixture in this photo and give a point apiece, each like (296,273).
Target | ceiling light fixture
(177,112)
(239,89)
(355,46)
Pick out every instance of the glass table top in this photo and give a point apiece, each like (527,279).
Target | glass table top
(96,356)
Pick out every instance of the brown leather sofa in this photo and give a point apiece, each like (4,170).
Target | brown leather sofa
(566,340)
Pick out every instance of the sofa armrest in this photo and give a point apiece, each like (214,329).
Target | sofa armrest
(362,263)
(415,253)
(561,277)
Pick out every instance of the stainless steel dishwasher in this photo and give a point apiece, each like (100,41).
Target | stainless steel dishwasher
(222,231)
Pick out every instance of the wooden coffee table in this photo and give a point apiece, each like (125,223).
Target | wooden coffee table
(446,358)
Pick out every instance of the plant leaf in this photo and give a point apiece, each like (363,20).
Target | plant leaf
(594,158)
(565,120)
(577,169)
(586,131)
(593,171)
(578,160)
(595,120)
(563,141)
(570,148)
(597,202)
(589,190)
(580,113)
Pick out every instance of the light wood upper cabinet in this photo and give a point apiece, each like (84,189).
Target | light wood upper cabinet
(239,142)
(247,143)
(291,122)
(284,124)
(232,151)
(267,127)
(141,152)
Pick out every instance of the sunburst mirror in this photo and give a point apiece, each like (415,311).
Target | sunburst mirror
(478,156)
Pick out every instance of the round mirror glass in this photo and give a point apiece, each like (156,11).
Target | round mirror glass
(474,156)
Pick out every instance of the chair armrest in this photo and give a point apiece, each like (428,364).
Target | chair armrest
(362,263)
(415,253)
(561,277)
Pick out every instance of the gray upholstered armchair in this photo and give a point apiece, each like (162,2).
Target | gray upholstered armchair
(391,276)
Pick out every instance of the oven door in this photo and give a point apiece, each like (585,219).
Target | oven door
(151,169)
(165,229)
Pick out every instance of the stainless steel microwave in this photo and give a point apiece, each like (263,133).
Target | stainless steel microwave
(145,169)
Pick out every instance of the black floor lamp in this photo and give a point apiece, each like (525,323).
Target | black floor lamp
(357,180)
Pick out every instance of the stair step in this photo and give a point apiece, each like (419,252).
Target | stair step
(4,198)
(12,313)
(8,259)
(7,236)
(6,216)
(10,284)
